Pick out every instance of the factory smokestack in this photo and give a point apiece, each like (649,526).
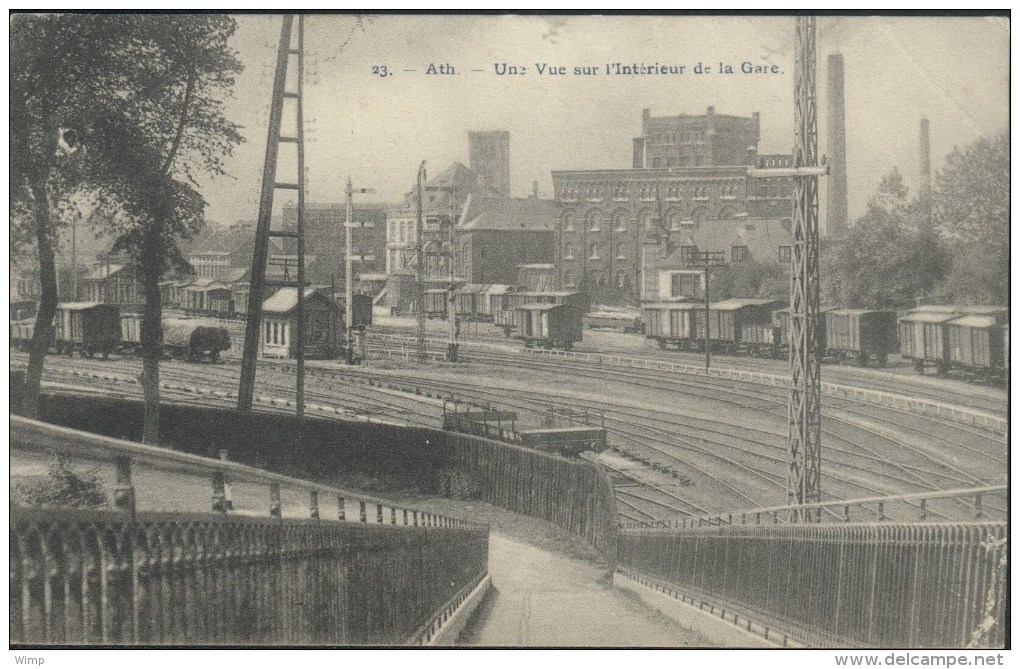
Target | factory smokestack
(836,212)
(924,191)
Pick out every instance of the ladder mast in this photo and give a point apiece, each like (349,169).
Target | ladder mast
(263,230)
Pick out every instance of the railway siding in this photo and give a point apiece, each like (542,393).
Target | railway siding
(893,400)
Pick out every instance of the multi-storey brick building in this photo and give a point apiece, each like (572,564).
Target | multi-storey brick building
(688,172)
(496,234)
(324,238)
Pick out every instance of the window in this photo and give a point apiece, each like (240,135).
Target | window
(785,254)
(740,254)
(595,221)
(700,216)
(656,162)
(673,218)
(594,251)
(568,251)
(568,279)
(393,232)
(646,220)
(685,285)
(568,221)
(689,254)
(620,222)
(621,279)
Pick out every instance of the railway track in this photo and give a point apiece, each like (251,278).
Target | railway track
(734,467)
(980,398)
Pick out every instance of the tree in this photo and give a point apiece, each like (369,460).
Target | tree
(887,259)
(750,279)
(970,206)
(124,110)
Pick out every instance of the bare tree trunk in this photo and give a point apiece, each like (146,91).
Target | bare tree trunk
(42,334)
(152,338)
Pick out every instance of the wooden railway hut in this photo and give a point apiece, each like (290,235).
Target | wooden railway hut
(279,324)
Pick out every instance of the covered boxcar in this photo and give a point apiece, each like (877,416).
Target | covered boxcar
(89,328)
(548,325)
(761,339)
(977,344)
(857,335)
(435,302)
(470,302)
(726,318)
(506,319)
(671,323)
(924,338)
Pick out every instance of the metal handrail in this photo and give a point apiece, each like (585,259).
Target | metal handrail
(67,440)
(777,512)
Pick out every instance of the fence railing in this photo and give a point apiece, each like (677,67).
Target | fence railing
(106,577)
(984,503)
(900,585)
(378,574)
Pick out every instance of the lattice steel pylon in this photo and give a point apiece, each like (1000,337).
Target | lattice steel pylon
(419,232)
(804,478)
(263,231)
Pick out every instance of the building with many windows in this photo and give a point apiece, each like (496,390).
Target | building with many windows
(689,173)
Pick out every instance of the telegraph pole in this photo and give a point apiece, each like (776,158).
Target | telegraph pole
(349,226)
(709,259)
(420,271)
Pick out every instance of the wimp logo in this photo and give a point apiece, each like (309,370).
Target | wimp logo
(24,659)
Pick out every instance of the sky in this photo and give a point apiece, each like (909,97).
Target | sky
(954,71)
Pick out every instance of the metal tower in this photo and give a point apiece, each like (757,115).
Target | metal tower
(263,230)
(803,483)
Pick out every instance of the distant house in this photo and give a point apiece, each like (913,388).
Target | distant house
(672,266)
(112,282)
(497,233)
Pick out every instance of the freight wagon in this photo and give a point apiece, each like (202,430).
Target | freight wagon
(726,318)
(671,323)
(977,344)
(618,321)
(505,317)
(924,339)
(435,302)
(548,325)
(183,338)
(858,335)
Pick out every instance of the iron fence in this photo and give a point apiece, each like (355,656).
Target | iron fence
(921,585)
(103,577)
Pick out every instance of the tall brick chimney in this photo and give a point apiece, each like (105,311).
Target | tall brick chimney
(836,206)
